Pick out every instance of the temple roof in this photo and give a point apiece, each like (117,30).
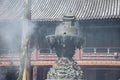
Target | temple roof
(54,10)
(82,9)
(11,9)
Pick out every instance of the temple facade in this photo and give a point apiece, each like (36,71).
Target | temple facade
(98,22)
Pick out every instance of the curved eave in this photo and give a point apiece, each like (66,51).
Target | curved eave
(54,10)
(78,19)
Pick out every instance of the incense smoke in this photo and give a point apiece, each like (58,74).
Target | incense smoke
(3,73)
(10,41)
(11,35)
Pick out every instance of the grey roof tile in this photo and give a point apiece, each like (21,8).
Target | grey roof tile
(53,10)
(82,9)
(11,9)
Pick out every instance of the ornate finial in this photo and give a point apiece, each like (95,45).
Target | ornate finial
(69,16)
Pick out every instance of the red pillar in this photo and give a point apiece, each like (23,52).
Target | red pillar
(35,54)
(77,54)
(80,53)
(34,72)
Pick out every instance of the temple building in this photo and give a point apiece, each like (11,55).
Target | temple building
(98,22)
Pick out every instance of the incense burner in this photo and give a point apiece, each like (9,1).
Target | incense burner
(65,40)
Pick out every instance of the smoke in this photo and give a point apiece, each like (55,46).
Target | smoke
(43,31)
(3,73)
(10,40)
(79,28)
(11,35)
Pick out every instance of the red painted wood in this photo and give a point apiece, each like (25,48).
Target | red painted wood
(34,72)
